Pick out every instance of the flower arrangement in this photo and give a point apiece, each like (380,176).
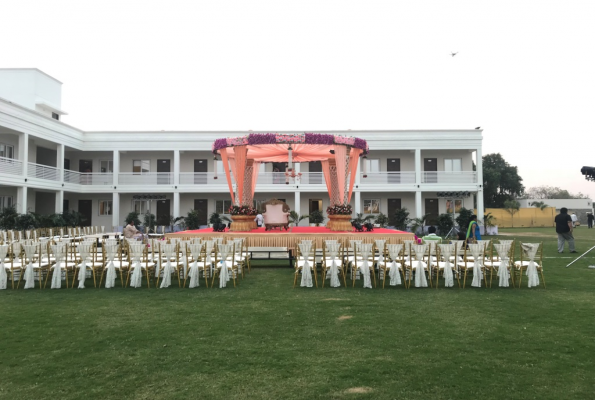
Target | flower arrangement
(339,209)
(289,138)
(242,210)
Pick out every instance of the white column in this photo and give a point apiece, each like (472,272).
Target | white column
(116,208)
(418,206)
(479,169)
(357,199)
(297,201)
(357,172)
(417,167)
(60,164)
(176,173)
(176,208)
(116,166)
(59,201)
(22,199)
(24,151)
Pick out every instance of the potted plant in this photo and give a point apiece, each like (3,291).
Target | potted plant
(216,219)
(339,216)
(489,222)
(316,217)
(401,219)
(445,224)
(295,218)
(242,218)
(192,220)
(381,220)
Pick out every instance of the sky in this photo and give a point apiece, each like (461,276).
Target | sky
(524,70)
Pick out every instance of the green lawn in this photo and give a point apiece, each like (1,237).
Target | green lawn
(265,340)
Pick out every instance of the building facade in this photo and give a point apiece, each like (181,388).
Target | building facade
(47,166)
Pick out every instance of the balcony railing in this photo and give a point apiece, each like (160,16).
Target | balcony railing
(202,178)
(11,166)
(88,178)
(442,177)
(43,172)
(387,177)
(149,178)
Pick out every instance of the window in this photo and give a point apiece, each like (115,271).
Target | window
(6,151)
(105,207)
(372,165)
(453,164)
(371,206)
(141,206)
(56,116)
(141,166)
(222,206)
(107,166)
(5,201)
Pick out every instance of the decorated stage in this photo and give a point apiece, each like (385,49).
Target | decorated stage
(275,238)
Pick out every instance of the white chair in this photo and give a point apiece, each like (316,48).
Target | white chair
(138,263)
(474,261)
(166,267)
(305,264)
(3,259)
(392,265)
(365,264)
(418,266)
(197,255)
(226,267)
(30,268)
(332,265)
(530,265)
(446,264)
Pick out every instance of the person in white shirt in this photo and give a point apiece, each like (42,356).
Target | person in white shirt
(574,219)
(259,220)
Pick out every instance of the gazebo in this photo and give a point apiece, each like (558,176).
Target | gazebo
(338,155)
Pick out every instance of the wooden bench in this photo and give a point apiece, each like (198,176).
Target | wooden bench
(271,253)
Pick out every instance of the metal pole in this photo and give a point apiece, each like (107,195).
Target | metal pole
(579,257)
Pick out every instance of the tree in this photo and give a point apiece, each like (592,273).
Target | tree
(512,207)
(464,218)
(551,192)
(501,181)
(400,219)
(539,204)
(445,224)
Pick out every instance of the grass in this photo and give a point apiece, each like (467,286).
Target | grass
(265,340)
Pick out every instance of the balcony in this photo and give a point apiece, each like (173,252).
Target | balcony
(88,178)
(201,178)
(43,172)
(11,166)
(376,178)
(442,177)
(149,178)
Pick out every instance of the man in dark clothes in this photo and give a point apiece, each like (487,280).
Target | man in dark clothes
(590,219)
(564,230)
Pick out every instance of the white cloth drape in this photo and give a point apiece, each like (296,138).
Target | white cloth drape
(446,251)
(532,275)
(365,249)
(393,252)
(193,271)
(476,250)
(59,251)
(110,267)
(225,250)
(136,254)
(168,253)
(29,270)
(85,252)
(419,265)
(3,275)
(305,248)
(333,251)
(503,250)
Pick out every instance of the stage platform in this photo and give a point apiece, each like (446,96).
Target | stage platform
(275,238)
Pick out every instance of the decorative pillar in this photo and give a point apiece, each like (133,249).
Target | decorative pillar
(176,208)
(116,167)
(24,152)
(358,201)
(59,208)
(418,167)
(297,200)
(60,164)
(418,207)
(176,170)
(115,207)
(22,200)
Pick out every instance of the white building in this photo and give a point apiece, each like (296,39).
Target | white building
(47,166)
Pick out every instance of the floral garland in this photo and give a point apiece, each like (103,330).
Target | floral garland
(242,210)
(339,209)
(306,137)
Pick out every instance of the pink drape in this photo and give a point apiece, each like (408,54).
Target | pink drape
(353,160)
(326,172)
(341,160)
(225,161)
(240,168)
(255,171)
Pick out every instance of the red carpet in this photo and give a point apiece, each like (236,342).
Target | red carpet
(297,229)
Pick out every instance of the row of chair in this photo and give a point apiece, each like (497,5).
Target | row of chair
(419,264)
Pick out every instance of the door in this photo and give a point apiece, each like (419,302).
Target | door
(163,166)
(163,212)
(66,164)
(64,205)
(201,207)
(315,166)
(200,171)
(430,170)
(86,209)
(393,167)
(279,172)
(85,165)
(315,205)
(393,206)
(432,209)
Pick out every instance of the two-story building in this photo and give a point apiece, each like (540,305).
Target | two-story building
(47,166)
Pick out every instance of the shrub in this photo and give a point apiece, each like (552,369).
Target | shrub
(400,219)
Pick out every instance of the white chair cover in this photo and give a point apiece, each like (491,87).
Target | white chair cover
(508,242)
(3,275)
(420,275)
(476,250)
(183,250)
(225,250)
(193,272)
(168,252)
(16,250)
(85,252)
(110,277)
(29,276)
(380,247)
(446,250)
(333,251)
(136,254)
(531,250)
(59,251)
(305,248)
(393,251)
(365,249)
(503,249)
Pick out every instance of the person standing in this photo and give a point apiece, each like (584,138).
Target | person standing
(473,232)
(564,229)
(590,219)
(574,220)
(259,220)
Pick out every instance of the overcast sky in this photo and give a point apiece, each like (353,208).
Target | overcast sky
(524,70)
